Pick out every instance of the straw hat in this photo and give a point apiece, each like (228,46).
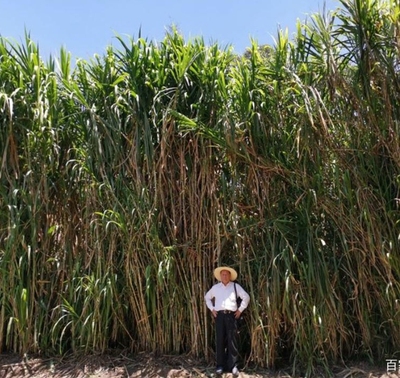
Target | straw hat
(217,272)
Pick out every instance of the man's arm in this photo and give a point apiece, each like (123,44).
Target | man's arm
(209,302)
(244,296)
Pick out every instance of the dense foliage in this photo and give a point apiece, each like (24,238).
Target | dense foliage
(124,180)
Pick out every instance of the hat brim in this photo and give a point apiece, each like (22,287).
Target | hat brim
(217,272)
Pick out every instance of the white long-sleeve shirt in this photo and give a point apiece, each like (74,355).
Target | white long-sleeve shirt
(225,297)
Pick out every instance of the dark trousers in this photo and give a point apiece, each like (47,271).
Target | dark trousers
(227,346)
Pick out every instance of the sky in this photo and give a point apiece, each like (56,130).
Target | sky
(87,27)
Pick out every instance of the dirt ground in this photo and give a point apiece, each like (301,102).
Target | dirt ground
(142,365)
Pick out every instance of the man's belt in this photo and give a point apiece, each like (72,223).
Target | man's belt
(226,312)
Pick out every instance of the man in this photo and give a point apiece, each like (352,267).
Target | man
(221,300)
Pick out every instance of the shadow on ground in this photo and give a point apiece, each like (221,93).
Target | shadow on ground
(149,366)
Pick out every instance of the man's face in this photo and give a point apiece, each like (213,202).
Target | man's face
(225,276)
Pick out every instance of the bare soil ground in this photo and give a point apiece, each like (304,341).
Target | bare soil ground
(144,365)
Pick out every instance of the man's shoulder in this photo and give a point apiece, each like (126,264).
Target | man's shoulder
(238,285)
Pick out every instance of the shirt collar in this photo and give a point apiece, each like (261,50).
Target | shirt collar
(227,285)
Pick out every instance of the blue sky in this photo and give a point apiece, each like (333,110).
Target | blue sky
(86,27)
